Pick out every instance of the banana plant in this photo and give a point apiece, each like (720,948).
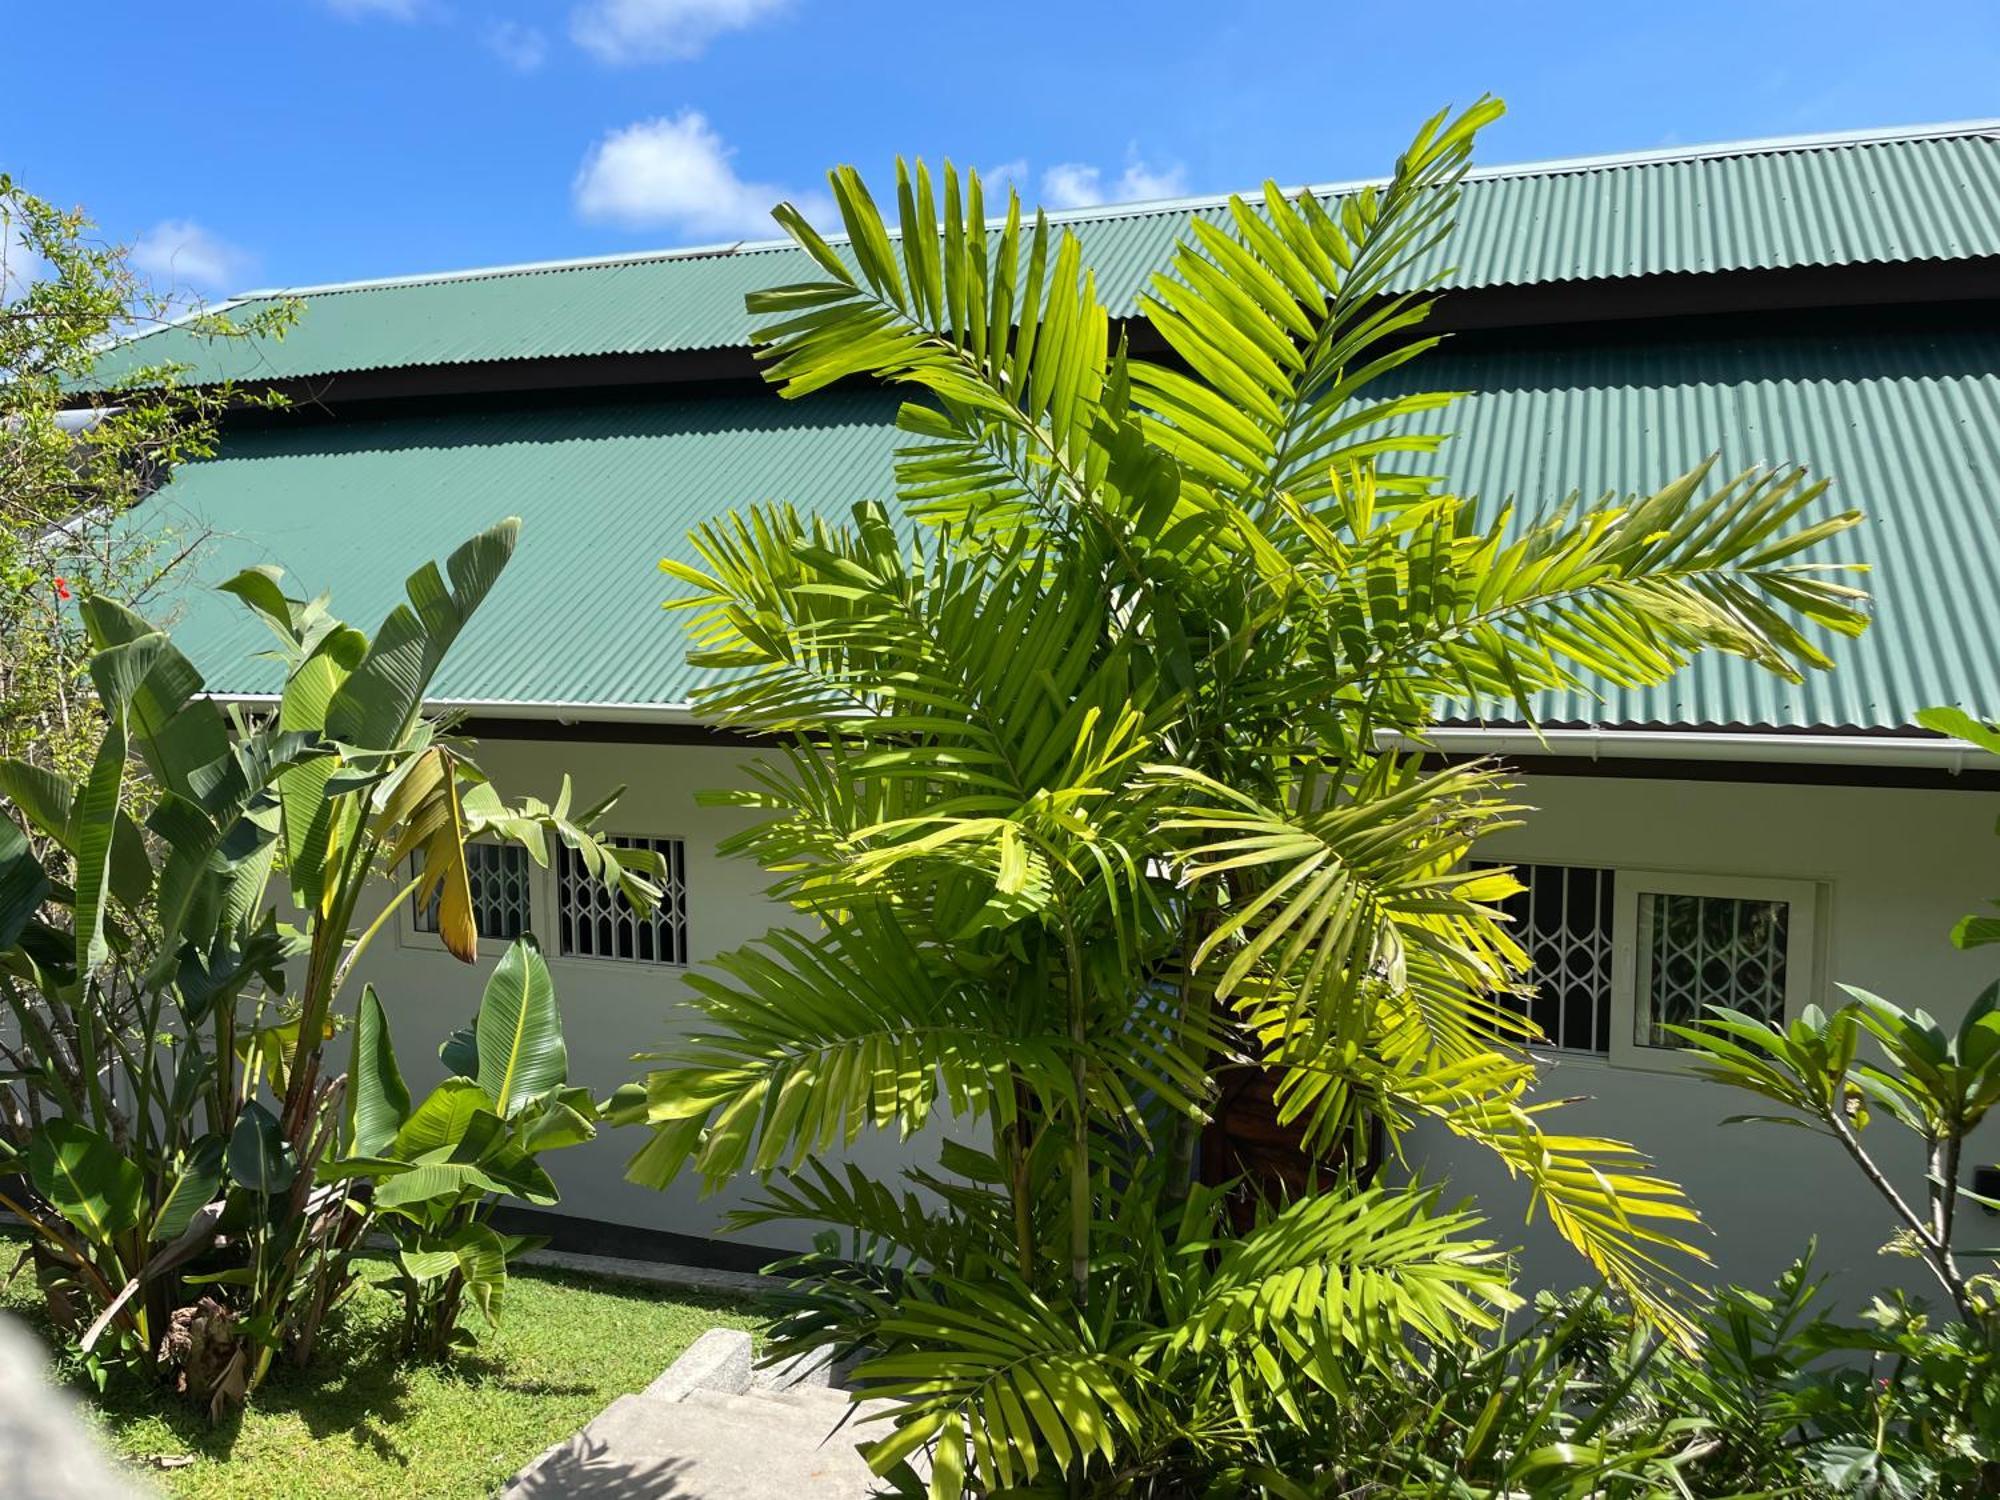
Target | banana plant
(439,1167)
(169,1096)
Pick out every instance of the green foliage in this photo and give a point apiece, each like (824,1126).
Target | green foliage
(365,1422)
(1769,1395)
(438,1167)
(1930,1425)
(74,458)
(1978,929)
(1938,1085)
(1086,785)
(169,1087)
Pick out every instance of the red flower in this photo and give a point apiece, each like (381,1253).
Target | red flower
(62,588)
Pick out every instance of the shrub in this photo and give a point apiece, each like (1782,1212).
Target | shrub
(167,1114)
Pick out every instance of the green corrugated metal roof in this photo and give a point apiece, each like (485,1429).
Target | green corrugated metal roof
(604,492)
(1910,426)
(1928,195)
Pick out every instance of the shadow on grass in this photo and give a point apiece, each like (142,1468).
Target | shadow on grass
(361,1390)
(354,1389)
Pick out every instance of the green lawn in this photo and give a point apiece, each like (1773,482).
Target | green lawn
(361,1424)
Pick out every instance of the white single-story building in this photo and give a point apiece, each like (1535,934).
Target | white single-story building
(1833,301)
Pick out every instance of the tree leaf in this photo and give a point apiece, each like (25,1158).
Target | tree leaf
(378,1099)
(79,1171)
(459,1051)
(521,1051)
(96,823)
(442,1120)
(23,883)
(378,702)
(190,1185)
(259,1156)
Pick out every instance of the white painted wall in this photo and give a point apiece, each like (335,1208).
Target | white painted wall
(1899,866)
(611,1009)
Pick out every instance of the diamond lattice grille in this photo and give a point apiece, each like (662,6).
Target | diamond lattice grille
(1563,919)
(1709,950)
(597,921)
(500,892)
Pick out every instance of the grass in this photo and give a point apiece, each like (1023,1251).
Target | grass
(362,1423)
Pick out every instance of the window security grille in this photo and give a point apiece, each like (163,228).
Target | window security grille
(596,921)
(500,892)
(1697,951)
(1563,920)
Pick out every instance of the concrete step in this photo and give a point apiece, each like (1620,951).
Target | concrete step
(817,1412)
(705,1431)
(812,1398)
(709,1447)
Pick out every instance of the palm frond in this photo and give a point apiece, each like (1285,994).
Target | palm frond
(1001,326)
(1432,605)
(1282,320)
(993,1368)
(810,1040)
(1601,1195)
(1334,896)
(1334,1281)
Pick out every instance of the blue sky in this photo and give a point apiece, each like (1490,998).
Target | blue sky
(286,142)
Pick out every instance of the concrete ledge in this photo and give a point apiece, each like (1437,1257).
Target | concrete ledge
(654,1273)
(717,1361)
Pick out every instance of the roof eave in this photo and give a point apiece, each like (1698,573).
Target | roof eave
(1743,747)
(548,710)
(1738,747)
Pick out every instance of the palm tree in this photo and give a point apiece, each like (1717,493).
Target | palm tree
(1088,778)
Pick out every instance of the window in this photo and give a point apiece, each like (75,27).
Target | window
(1687,942)
(597,921)
(498,874)
(1563,921)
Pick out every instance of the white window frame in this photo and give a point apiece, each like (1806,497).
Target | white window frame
(410,935)
(1801,949)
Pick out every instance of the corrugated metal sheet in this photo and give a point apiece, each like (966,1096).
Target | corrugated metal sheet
(604,492)
(1909,425)
(1909,428)
(1927,198)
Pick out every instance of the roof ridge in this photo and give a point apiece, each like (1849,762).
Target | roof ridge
(1110,212)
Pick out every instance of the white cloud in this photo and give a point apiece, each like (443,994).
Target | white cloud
(1139,183)
(677,173)
(651,31)
(394,10)
(521,47)
(996,179)
(180,255)
(1072,184)
(1076,184)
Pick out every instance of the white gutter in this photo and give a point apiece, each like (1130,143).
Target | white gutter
(556,711)
(1696,745)
(1580,744)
